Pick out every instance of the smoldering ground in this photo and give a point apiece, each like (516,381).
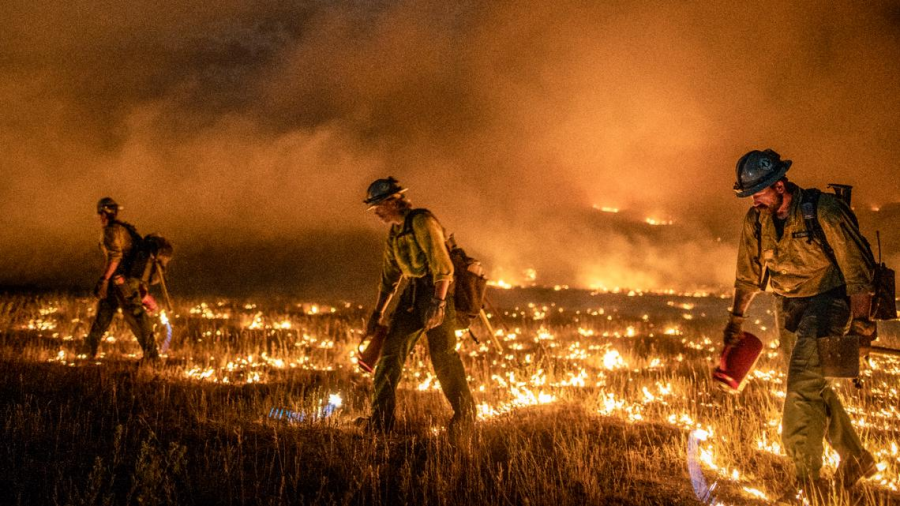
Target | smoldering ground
(248,132)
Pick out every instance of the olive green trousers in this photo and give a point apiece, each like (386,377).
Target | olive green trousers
(406,328)
(812,410)
(128,297)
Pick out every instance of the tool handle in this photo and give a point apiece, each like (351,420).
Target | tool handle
(878,237)
(881,350)
(162,286)
(490,329)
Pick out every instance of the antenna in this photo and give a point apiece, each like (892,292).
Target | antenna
(878,239)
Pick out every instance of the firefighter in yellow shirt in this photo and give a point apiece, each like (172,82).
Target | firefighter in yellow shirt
(118,286)
(817,295)
(415,250)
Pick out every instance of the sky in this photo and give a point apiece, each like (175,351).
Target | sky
(247,132)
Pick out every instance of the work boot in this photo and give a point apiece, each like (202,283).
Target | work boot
(807,492)
(853,469)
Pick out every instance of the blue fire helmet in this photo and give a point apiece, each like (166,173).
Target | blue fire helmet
(758,170)
(381,190)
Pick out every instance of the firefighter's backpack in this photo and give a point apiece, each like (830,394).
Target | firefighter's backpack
(469,282)
(150,256)
(159,252)
(884,305)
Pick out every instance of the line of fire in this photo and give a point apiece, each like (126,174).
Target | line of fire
(635,359)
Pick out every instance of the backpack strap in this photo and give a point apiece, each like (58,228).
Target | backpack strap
(449,241)
(137,245)
(763,270)
(407,229)
(137,242)
(136,238)
(407,222)
(809,205)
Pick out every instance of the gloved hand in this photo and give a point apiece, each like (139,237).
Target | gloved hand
(867,331)
(864,327)
(373,323)
(733,332)
(434,313)
(102,288)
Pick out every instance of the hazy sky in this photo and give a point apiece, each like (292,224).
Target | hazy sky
(247,132)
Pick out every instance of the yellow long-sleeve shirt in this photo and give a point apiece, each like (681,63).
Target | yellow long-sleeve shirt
(796,267)
(416,252)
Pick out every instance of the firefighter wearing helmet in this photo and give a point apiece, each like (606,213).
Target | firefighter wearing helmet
(416,251)
(119,286)
(816,296)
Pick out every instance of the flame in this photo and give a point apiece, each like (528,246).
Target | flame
(613,360)
(499,283)
(588,359)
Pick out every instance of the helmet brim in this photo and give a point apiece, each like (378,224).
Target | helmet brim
(108,205)
(374,202)
(762,185)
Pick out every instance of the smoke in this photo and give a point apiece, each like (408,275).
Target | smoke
(248,132)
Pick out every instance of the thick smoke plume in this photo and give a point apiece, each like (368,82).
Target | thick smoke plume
(248,132)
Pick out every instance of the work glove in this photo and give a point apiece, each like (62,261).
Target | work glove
(867,331)
(434,313)
(149,303)
(102,288)
(373,323)
(864,327)
(733,332)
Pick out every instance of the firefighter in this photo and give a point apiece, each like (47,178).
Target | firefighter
(118,286)
(415,250)
(815,297)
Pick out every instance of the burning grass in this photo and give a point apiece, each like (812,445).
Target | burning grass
(593,401)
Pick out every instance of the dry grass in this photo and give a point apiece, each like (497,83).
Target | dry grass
(569,415)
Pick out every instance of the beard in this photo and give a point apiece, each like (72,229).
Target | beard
(772,208)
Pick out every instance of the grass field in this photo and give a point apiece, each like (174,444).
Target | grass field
(593,399)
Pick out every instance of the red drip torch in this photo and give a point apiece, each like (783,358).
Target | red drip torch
(736,362)
(367,357)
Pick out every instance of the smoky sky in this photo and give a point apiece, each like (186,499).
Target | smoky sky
(248,132)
